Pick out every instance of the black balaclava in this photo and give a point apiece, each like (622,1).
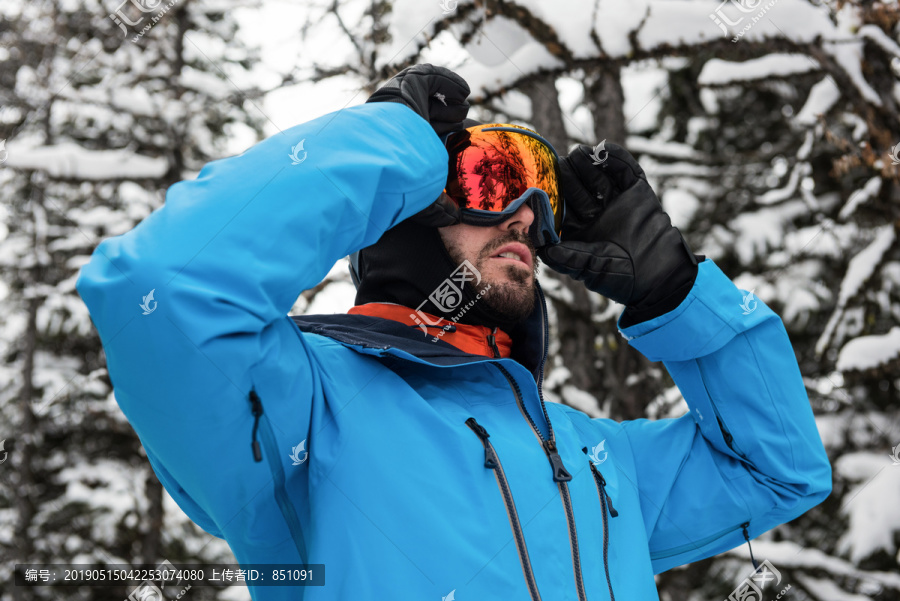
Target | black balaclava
(408,264)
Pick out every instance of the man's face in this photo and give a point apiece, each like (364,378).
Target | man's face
(505,257)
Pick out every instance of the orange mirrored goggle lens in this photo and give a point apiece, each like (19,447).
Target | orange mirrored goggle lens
(490,168)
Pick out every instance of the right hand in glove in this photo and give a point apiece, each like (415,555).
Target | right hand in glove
(438,95)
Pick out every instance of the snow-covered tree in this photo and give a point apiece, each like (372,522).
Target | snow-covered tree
(100,115)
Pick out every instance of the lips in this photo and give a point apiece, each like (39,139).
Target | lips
(514,251)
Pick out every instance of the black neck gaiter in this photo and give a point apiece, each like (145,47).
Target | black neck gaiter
(410,266)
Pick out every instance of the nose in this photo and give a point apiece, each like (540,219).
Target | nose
(521,219)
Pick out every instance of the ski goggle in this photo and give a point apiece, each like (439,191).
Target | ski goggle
(496,168)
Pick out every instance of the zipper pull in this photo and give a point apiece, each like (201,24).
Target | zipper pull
(257,410)
(744,527)
(612,510)
(490,456)
(492,342)
(560,474)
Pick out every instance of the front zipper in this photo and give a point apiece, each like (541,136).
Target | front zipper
(605,503)
(560,475)
(492,461)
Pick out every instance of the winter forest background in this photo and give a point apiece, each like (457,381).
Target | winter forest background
(766,127)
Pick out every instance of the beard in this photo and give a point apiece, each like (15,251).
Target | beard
(512,297)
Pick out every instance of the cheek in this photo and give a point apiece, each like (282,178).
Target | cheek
(467,240)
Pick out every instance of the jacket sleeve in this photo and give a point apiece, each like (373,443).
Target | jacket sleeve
(225,259)
(749,451)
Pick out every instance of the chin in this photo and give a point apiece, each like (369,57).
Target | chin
(511,292)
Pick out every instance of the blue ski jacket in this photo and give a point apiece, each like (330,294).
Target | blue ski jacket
(410,469)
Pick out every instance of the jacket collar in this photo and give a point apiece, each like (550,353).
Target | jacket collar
(380,336)
(472,339)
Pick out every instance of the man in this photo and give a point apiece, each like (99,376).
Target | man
(418,466)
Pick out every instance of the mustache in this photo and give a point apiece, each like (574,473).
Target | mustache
(513,236)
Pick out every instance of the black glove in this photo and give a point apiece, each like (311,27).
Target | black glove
(438,95)
(616,237)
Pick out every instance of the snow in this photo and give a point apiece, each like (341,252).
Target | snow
(497,40)
(669,403)
(69,160)
(868,352)
(675,150)
(826,590)
(290,105)
(527,59)
(863,264)
(789,555)
(831,430)
(681,206)
(867,192)
(822,97)
(799,171)
(850,57)
(677,22)
(337,297)
(515,104)
(581,400)
(110,485)
(572,25)
(874,34)
(859,270)
(642,86)
(207,83)
(717,72)
(758,231)
(614,22)
(871,505)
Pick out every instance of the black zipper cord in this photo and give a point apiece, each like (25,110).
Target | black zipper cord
(490,457)
(602,482)
(257,410)
(744,526)
(492,342)
(492,461)
(605,505)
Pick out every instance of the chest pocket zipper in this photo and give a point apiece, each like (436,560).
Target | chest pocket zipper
(277,471)
(605,505)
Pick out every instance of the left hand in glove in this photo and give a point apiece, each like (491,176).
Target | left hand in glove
(617,239)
